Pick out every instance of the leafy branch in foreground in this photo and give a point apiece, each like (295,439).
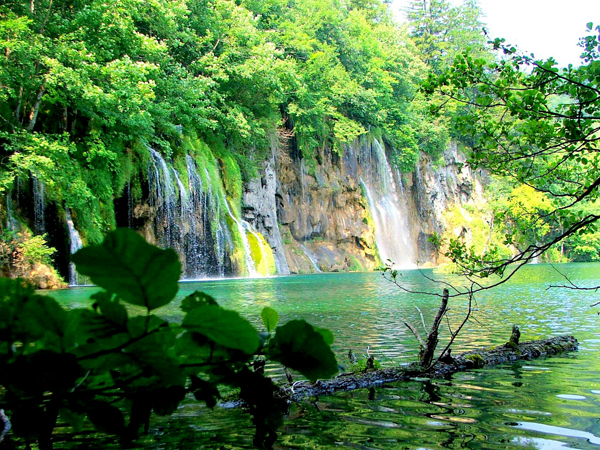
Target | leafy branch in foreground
(538,125)
(114,366)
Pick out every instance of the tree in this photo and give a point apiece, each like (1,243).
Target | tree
(536,124)
(441,31)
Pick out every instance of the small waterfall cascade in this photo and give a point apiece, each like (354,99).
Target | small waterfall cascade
(75,244)
(11,222)
(389,212)
(242,227)
(39,222)
(189,216)
(222,240)
(261,253)
(311,258)
(303,178)
(163,198)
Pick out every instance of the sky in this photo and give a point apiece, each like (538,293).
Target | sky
(543,27)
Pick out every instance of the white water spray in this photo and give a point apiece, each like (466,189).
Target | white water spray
(75,244)
(392,232)
(242,227)
(311,258)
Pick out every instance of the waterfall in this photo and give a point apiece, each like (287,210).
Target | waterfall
(163,198)
(11,223)
(392,232)
(188,218)
(311,258)
(75,244)
(242,227)
(191,216)
(39,222)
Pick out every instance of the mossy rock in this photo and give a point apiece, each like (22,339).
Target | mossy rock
(261,254)
(476,359)
(355,265)
(44,276)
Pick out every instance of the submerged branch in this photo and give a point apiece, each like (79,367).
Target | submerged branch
(487,357)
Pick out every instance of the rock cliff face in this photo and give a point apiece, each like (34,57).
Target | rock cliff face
(260,209)
(352,212)
(435,187)
(347,212)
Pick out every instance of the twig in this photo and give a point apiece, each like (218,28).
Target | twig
(422,319)
(453,335)
(416,333)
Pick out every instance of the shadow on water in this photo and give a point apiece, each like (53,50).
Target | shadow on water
(542,404)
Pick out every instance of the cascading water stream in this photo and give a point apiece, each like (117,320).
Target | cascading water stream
(311,258)
(11,223)
(188,218)
(39,221)
(75,244)
(392,232)
(218,229)
(242,227)
(164,199)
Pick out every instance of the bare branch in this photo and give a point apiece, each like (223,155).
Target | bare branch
(416,333)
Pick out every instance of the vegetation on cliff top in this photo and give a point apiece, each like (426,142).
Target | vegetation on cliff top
(87,87)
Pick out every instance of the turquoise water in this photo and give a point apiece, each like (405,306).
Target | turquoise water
(546,404)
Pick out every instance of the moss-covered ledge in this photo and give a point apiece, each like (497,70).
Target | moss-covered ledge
(485,357)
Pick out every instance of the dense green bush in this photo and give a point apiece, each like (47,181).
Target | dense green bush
(114,365)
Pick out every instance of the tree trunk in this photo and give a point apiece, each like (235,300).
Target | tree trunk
(36,108)
(432,338)
(19,103)
(466,361)
(429,345)
(50,417)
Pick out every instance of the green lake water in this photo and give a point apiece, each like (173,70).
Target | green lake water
(549,403)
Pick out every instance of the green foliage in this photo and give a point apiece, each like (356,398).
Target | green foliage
(224,327)
(232,177)
(25,255)
(442,30)
(534,124)
(116,367)
(299,346)
(361,365)
(270,318)
(126,265)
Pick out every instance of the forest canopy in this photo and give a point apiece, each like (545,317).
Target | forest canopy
(86,87)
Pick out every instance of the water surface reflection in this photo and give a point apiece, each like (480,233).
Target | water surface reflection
(544,404)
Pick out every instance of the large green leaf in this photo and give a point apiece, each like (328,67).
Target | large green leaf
(139,273)
(299,346)
(111,308)
(195,300)
(29,317)
(270,318)
(106,417)
(224,327)
(156,355)
(327,335)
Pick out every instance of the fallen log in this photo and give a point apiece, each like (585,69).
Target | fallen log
(475,359)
